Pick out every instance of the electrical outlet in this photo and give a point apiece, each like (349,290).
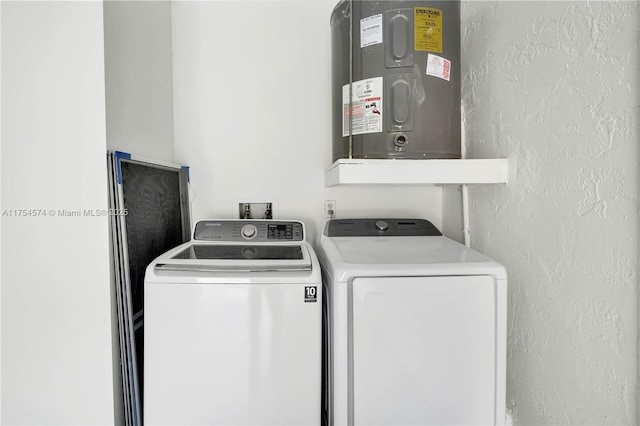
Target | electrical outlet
(330,208)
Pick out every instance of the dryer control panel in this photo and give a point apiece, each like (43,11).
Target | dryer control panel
(380,227)
(249,230)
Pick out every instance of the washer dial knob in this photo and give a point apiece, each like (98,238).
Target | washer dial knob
(248,232)
(381,225)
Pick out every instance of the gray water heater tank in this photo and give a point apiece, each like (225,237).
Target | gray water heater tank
(401,60)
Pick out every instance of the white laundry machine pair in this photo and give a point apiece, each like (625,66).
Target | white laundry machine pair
(415,326)
(233,328)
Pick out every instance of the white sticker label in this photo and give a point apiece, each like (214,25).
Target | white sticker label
(438,67)
(366,107)
(370,31)
(311,294)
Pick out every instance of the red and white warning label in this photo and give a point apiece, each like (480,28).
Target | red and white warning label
(366,107)
(438,66)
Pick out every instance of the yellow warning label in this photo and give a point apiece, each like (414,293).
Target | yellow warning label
(428,29)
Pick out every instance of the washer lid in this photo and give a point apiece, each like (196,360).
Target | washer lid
(240,252)
(227,257)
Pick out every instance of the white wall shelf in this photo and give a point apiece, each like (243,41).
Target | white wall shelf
(435,172)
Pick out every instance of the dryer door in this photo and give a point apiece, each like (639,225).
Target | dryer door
(423,350)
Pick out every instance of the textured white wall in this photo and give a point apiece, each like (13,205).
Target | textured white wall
(553,86)
(56,316)
(252,113)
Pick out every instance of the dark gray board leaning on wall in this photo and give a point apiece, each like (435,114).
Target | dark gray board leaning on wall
(151,214)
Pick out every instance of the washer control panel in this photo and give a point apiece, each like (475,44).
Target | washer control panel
(249,230)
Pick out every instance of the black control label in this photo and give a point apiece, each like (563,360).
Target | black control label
(310,294)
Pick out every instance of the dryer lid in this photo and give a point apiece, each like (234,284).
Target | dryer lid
(404,251)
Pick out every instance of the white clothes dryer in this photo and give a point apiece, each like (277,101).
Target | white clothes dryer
(415,326)
(233,328)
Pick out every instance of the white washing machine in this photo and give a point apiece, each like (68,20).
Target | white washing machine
(415,326)
(233,328)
